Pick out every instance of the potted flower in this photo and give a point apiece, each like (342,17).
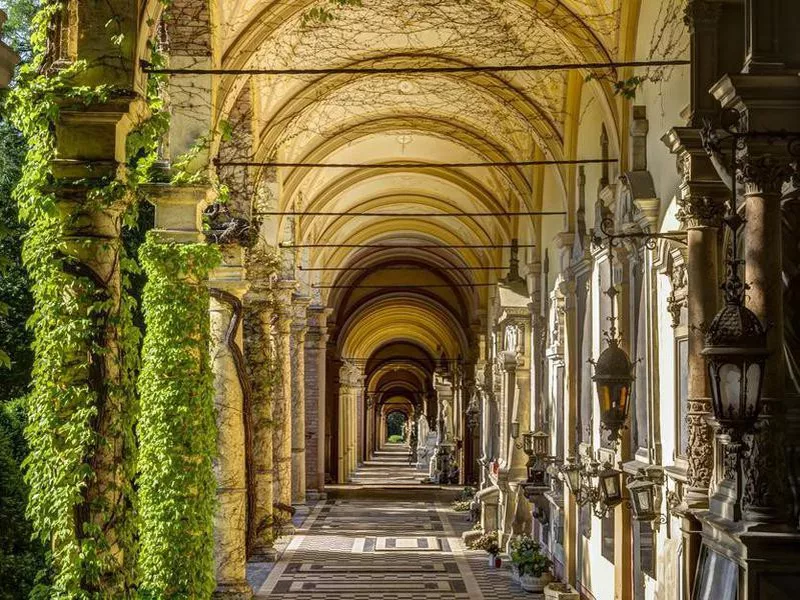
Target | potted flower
(529,564)
(490,544)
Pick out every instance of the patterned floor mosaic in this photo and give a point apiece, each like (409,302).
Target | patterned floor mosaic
(384,550)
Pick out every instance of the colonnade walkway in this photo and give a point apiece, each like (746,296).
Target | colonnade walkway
(384,544)
(391,465)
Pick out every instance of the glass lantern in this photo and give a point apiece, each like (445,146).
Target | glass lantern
(572,475)
(610,485)
(613,377)
(540,444)
(642,493)
(736,355)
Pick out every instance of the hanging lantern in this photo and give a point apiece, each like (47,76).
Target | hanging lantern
(613,378)
(736,355)
(571,470)
(642,492)
(540,444)
(610,486)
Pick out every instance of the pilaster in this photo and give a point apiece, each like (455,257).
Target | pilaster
(230,464)
(315,372)
(259,360)
(282,407)
(299,330)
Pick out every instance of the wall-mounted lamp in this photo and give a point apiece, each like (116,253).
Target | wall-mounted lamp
(645,495)
(593,482)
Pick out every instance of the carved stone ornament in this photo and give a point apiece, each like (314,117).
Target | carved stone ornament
(764,173)
(701,14)
(699,452)
(678,296)
(765,465)
(513,339)
(701,211)
(224,228)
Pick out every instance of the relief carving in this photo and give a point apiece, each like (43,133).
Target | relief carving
(699,455)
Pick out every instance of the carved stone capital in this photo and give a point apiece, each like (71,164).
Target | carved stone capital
(765,173)
(701,211)
(702,15)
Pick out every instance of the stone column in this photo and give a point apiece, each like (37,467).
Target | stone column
(178,211)
(343,435)
(259,359)
(765,493)
(315,348)
(230,519)
(702,205)
(88,146)
(299,329)
(765,167)
(282,408)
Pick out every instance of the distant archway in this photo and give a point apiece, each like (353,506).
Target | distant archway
(396,427)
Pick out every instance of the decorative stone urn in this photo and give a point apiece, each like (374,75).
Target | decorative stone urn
(529,583)
(560,591)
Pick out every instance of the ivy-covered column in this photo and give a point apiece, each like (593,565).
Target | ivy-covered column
(177,430)
(299,329)
(282,408)
(231,398)
(261,367)
(82,403)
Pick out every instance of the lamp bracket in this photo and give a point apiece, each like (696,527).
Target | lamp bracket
(650,239)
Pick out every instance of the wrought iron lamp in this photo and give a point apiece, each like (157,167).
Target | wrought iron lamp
(610,486)
(736,354)
(536,445)
(644,489)
(735,350)
(613,372)
(595,483)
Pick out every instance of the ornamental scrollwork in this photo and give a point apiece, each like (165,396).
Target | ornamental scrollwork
(764,173)
(699,455)
(678,296)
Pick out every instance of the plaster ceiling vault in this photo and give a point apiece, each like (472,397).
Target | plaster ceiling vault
(414,119)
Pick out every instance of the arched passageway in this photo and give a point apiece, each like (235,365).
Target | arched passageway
(440,210)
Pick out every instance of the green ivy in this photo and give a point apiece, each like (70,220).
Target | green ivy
(79,417)
(177,429)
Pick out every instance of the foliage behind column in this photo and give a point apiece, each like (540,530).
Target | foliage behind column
(80,419)
(76,317)
(177,429)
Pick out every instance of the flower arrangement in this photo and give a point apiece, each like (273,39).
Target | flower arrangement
(527,557)
(488,542)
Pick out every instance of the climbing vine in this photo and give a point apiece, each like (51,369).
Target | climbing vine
(177,426)
(83,406)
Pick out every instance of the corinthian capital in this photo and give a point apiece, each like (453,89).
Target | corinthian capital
(765,173)
(701,211)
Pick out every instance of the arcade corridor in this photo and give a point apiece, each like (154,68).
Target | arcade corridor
(373,546)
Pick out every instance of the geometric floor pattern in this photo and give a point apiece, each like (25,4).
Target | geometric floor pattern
(376,549)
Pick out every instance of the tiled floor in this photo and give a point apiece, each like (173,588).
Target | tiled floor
(367,548)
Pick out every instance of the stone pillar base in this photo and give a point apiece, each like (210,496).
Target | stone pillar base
(288,529)
(315,496)
(233,591)
(263,555)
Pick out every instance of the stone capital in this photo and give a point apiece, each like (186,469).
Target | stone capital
(764,172)
(702,15)
(697,212)
(702,193)
(179,211)
(88,136)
